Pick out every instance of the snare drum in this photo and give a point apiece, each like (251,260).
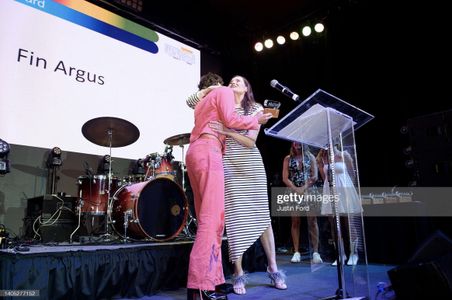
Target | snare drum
(155,209)
(93,193)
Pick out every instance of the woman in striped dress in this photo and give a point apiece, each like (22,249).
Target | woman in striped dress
(247,214)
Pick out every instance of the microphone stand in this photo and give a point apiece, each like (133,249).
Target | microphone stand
(340,292)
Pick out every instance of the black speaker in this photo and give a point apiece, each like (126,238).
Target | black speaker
(428,274)
(50,218)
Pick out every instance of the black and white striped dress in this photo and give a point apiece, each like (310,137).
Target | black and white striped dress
(247,213)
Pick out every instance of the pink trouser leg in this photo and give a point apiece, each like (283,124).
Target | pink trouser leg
(205,170)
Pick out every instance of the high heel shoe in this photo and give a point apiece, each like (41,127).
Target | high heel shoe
(278,279)
(352,260)
(239,283)
(196,294)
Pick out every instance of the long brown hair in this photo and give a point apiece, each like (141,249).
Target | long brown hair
(248,99)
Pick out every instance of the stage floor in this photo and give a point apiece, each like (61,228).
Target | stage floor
(303,283)
(138,270)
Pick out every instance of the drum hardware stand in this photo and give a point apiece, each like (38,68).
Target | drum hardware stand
(154,161)
(108,234)
(127,217)
(190,219)
(79,212)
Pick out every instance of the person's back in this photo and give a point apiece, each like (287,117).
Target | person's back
(216,107)
(205,170)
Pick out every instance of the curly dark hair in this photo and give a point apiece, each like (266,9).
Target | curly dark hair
(210,79)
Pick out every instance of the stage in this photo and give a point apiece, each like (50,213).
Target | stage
(105,271)
(151,270)
(304,283)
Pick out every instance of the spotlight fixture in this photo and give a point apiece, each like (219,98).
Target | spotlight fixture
(280,40)
(54,158)
(104,165)
(268,43)
(4,162)
(319,27)
(259,47)
(306,31)
(139,168)
(409,163)
(294,35)
(408,150)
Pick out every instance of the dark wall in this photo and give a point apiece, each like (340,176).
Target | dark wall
(30,177)
(380,58)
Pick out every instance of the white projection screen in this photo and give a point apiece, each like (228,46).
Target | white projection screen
(65,62)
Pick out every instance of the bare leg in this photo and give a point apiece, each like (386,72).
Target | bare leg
(268,243)
(313,228)
(239,280)
(295,231)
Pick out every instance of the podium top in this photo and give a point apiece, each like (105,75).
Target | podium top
(318,119)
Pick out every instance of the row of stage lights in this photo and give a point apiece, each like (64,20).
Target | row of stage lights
(306,31)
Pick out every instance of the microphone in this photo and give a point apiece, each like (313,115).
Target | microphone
(285,90)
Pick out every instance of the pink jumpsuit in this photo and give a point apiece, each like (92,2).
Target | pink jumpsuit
(205,171)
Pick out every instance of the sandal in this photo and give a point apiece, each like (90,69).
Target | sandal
(278,279)
(238,284)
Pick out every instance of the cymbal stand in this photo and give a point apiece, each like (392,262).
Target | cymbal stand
(108,219)
(190,219)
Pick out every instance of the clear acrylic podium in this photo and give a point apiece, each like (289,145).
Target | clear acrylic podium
(328,123)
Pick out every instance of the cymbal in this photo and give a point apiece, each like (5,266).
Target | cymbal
(122,132)
(178,140)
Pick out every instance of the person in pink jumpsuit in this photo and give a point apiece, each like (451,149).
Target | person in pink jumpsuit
(205,170)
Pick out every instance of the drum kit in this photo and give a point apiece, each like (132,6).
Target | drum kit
(152,206)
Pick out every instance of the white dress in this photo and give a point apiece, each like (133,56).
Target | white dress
(348,199)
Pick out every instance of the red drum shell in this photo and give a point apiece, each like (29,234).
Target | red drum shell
(93,193)
(155,209)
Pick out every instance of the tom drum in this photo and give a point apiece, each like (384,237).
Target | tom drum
(93,193)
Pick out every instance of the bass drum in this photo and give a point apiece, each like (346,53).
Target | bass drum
(155,209)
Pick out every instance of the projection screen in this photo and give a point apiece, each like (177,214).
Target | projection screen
(65,62)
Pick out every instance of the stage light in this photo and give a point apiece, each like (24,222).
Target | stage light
(104,165)
(268,43)
(139,168)
(306,31)
(409,163)
(259,47)
(407,150)
(54,158)
(294,35)
(4,162)
(280,40)
(319,27)
(404,129)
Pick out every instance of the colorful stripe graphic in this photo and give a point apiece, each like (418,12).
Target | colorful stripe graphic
(100,20)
